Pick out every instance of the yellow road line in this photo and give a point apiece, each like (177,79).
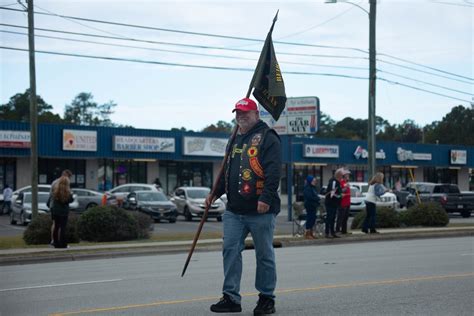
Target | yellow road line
(308,289)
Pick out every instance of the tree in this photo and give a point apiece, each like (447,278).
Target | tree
(83,110)
(457,127)
(18,109)
(350,128)
(326,126)
(219,127)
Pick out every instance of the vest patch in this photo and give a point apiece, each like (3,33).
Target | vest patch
(256,139)
(247,174)
(256,167)
(252,152)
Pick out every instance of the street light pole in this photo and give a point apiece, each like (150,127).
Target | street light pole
(372,84)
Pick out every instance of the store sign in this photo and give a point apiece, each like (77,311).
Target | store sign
(458,157)
(204,146)
(143,144)
(321,151)
(404,155)
(300,116)
(78,140)
(15,139)
(363,153)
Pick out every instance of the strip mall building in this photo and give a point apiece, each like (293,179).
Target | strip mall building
(102,157)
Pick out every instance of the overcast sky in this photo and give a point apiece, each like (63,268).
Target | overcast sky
(436,37)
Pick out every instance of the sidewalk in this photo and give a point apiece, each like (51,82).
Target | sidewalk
(47,254)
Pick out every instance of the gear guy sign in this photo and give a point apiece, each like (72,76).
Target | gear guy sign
(300,116)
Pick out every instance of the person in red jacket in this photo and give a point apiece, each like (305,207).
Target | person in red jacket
(344,209)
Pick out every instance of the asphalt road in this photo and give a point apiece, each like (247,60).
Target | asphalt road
(412,277)
(283,227)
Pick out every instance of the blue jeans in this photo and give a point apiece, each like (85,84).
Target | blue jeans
(370,217)
(310,219)
(236,229)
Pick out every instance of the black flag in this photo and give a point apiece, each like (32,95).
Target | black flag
(267,79)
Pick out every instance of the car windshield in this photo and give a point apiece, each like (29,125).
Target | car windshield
(198,193)
(151,196)
(42,198)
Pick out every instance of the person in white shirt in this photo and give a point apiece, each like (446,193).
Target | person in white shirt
(376,190)
(7,199)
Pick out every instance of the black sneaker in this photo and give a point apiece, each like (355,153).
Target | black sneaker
(225,305)
(265,306)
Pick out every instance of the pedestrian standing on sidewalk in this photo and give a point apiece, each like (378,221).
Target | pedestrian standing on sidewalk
(344,209)
(375,191)
(311,204)
(66,173)
(333,202)
(61,198)
(7,199)
(250,179)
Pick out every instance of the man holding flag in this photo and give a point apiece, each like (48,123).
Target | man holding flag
(250,178)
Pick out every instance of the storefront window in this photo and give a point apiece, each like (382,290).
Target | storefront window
(300,172)
(113,173)
(175,174)
(51,169)
(7,173)
(440,175)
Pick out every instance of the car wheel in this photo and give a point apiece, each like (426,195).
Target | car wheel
(12,219)
(91,205)
(466,213)
(172,220)
(409,204)
(219,218)
(187,215)
(156,220)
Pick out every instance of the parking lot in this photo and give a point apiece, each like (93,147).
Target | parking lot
(283,226)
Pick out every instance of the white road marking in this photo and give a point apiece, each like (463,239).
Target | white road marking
(467,254)
(55,285)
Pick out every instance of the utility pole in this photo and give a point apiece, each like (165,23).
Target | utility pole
(372,83)
(33,112)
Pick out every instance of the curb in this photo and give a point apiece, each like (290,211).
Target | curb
(50,255)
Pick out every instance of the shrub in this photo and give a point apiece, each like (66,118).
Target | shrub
(145,224)
(72,234)
(385,218)
(425,214)
(106,223)
(38,231)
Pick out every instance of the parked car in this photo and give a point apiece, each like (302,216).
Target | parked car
(153,203)
(21,208)
(410,188)
(388,199)
(357,200)
(190,203)
(122,191)
(89,198)
(447,195)
(43,188)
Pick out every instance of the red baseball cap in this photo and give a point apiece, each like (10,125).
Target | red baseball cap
(246,105)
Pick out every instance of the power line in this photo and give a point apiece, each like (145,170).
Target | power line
(424,82)
(420,89)
(178,64)
(224,68)
(183,32)
(182,52)
(432,68)
(230,37)
(423,71)
(184,45)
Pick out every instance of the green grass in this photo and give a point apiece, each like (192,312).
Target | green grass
(14,242)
